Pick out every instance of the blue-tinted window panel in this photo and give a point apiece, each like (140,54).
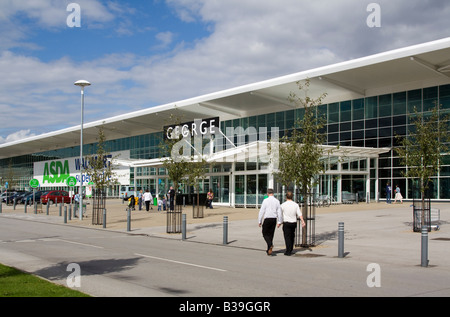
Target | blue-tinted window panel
(444,96)
(332,128)
(430,98)
(371,107)
(414,100)
(346,111)
(371,133)
(358,125)
(399,103)
(372,123)
(333,112)
(385,105)
(358,109)
(346,126)
(384,132)
(385,122)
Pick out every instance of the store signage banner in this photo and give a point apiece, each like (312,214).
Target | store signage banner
(55,173)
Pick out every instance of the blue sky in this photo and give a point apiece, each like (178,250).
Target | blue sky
(142,53)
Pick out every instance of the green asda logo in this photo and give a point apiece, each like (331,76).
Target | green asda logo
(56,172)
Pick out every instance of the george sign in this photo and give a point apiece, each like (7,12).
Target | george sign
(34,183)
(194,128)
(71,181)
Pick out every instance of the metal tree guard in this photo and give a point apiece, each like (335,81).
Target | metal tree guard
(309,215)
(174,220)
(98,205)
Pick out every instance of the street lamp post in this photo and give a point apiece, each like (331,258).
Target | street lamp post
(82,84)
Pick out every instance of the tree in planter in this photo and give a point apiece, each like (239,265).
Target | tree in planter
(194,173)
(300,153)
(421,152)
(101,174)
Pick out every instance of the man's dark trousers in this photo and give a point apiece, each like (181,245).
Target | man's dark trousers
(268,231)
(289,235)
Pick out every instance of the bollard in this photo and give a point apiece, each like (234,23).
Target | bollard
(1,206)
(70,212)
(104,217)
(60,210)
(25,206)
(424,260)
(225,230)
(129,219)
(14,204)
(65,214)
(341,240)
(47,208)
(35,208)
(183,226)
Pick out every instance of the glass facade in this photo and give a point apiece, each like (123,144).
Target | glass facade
(365,122)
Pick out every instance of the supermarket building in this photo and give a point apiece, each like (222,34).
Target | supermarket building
(369,101)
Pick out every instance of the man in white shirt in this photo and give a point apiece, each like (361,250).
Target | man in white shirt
(291,211)
(268,217)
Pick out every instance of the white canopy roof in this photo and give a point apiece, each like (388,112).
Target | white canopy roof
(398,70)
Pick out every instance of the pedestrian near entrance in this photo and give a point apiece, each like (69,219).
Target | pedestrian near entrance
(210,197)
(147,199)
(269,217)
(388,193)
(291,212)
(171,195)
(398,195)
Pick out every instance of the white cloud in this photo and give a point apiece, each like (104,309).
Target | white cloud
(16,136)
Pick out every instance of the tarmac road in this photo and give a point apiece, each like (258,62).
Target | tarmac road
(149,262)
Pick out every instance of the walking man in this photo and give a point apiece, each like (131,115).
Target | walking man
(269,215)
(291,212)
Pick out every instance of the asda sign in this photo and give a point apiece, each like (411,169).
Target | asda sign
(56,172)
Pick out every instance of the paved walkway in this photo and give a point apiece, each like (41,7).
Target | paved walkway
(370,229)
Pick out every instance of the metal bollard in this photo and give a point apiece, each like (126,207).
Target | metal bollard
(60,210)
(104,217)
(65,214)
(1,206)
(14,204)
(47,208)
(35,207)
(424,256)
(225,230)
(341,240)
(183,226)
(70,212)
(129,219)
(25,207)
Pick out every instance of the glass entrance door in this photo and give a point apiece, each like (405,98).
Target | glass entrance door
(221,188)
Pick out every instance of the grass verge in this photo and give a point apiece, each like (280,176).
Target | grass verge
(15,283)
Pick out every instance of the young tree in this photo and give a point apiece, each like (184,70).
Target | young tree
(101,173)
(421,152)
(300,153)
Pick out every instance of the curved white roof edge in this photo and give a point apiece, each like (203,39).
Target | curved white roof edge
(316,72)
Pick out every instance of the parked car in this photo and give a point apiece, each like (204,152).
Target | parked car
(55,195)
(20,198)
(28,199)
(12,196)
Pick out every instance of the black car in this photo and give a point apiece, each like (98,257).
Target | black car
(10,198)
(20,198)
(28,199)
